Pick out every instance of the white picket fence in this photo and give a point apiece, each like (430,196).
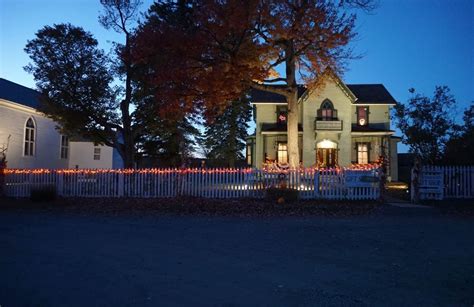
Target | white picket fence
(444,182)
(209,183)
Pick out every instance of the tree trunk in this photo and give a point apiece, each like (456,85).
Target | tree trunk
(292,131)
(292,100)
(128,137)
(232,137)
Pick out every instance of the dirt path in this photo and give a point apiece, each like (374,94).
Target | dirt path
(395,257)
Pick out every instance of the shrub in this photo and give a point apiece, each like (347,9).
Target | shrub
(43,193)
(277,194)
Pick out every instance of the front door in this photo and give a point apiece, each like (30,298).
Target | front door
(327,157)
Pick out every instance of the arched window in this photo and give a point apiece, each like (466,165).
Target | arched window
(327,112)
(30,138)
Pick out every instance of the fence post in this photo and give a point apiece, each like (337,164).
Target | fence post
(415,180)
(59,183)
(121,186)
(316,183)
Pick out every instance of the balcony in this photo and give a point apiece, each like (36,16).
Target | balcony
(328,125)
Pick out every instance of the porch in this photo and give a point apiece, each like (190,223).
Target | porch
(326,149)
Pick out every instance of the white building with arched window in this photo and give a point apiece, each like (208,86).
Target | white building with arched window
(34,141)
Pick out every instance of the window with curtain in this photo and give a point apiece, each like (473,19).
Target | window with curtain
(327,111)
(362,116)
(363,153)
(282,115)
(282,153)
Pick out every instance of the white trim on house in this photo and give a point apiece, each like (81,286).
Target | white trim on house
(278,132)
(358,133)
(17,106)
(373,104)
(272,103)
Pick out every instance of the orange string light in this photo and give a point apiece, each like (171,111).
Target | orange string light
(184,171)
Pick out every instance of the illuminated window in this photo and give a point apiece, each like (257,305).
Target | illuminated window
(282,115)
(282,153)
(362,153)
(64,147)
(96,153)
(362,116)
(30,138)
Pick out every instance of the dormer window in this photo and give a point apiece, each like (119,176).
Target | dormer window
(282,115)
(327,111)
(363,116)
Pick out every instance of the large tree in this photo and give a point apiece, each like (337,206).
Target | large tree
(120,16)
(76,78)
(73,74)
(427,123)
(209,52)
(224,136)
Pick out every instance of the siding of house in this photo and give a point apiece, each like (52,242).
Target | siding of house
(82,156)
(342,104)
(394,159)
(13,118)
(379,116)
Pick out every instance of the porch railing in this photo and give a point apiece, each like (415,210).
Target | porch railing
(334,125)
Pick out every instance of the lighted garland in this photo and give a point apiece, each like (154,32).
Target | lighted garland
(268,168)
(129,171)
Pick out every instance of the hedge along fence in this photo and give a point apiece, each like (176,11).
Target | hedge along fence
(211,183)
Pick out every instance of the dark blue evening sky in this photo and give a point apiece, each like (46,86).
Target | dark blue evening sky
(404,43)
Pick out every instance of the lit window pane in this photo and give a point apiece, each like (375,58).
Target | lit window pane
(282,156)
(363,153)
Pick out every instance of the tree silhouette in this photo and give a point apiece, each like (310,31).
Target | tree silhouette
(427,123)
(224,137)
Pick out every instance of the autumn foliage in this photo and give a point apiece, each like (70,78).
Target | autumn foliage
(203,54)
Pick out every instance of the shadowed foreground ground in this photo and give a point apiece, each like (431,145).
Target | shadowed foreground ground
(394,256)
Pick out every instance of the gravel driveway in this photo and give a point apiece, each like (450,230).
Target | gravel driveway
(396,256)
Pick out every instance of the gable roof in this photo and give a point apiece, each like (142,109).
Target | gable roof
(371,94)
(365,94)
(260,96)
(20,94)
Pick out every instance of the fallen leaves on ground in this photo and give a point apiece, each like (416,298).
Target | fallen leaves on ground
(198,206)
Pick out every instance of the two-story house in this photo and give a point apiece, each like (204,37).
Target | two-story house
(339,125)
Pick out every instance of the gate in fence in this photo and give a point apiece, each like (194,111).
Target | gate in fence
(210,183)
(440,182)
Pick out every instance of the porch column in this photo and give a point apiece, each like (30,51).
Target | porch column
(259,150)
